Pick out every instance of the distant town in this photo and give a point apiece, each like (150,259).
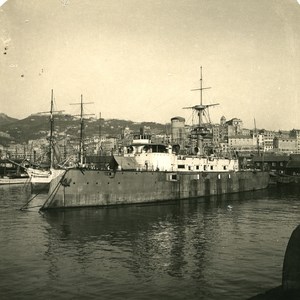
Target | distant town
(28,138)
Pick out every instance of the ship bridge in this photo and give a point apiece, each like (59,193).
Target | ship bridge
(149,157)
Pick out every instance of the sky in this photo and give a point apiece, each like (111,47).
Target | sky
(139,59)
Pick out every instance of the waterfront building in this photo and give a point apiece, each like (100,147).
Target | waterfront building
(272,162)
(267,139)
(286,145)
(3,151)
(284,133)
(234,127)
(242,143)
(217,134)
(295,133)
(245,131)
(293,165)
(17,151)
(109,144)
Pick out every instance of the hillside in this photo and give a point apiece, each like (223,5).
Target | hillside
(37,126)
(4,119)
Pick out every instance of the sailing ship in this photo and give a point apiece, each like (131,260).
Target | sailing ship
(149,172)
(9,180)
(40,178)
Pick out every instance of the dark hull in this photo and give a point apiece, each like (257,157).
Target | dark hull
(77,188)
(285,179)
(40,188)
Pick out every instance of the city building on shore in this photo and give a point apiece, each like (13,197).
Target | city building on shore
(286,145)
(228,137)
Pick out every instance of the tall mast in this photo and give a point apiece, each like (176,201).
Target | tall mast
(51,131)
(51,139)
(100,128)
(201,91)
(257,139)
(201,88)
(100,133)
(81,138)
(81,143)
(200,109)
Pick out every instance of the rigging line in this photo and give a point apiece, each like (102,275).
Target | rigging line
(189,118)
(26,184)
(55,190)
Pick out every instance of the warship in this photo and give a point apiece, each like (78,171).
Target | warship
(152,172)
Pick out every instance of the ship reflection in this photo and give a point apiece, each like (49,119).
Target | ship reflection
(157,240)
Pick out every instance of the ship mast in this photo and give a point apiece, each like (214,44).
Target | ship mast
(51,155)
(81,142)
(51,139)
(257,138)
(100,132)
(200,109)
(81,138)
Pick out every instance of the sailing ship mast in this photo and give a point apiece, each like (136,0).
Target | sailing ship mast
(51,154)
(51,139)
(81,142)
(100,133)
(81,138)
(257,138)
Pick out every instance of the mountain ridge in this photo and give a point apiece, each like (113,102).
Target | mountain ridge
(37,126)
(5,119)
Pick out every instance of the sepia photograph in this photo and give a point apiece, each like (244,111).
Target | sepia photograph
(150,149)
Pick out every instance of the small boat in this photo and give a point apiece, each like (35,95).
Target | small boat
(13,180)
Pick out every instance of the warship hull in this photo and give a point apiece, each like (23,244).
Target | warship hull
(84,188)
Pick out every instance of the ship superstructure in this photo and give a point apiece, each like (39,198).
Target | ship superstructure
(145,156)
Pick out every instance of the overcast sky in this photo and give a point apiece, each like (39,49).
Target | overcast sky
(139,59)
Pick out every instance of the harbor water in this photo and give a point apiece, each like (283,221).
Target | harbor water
(229,247)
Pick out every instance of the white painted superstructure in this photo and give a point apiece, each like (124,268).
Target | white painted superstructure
(157,157)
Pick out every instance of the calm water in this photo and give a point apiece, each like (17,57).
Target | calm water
(193,249)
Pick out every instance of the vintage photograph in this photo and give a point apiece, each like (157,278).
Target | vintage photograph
(150,149)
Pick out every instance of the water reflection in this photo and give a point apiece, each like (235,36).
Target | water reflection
(211,248)
(10,195)
(172,239)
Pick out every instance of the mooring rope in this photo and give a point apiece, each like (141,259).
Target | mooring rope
(25,206)
(54,191)
(26,184)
